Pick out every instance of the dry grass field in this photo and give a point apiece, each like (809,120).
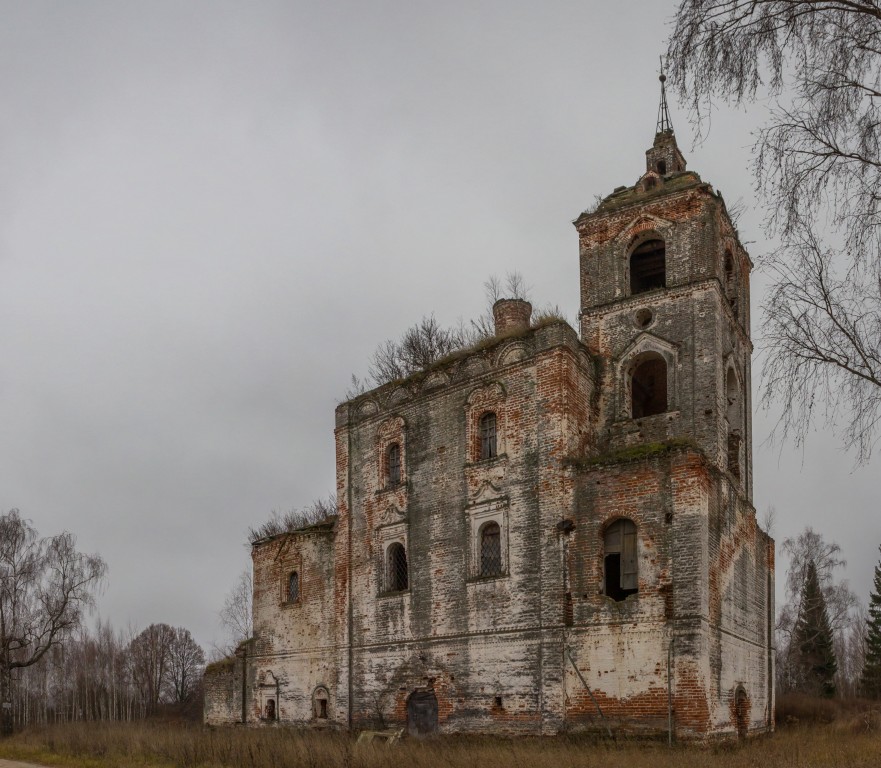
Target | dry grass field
(854,740)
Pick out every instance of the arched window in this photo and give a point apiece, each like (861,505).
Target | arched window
(648,386)
(491,549)
(648,267)
(396,568)
(732,397)
(319,704)
(620,571)
(393,464)
(488,443)
(662,167)
(293,587)
(269,712)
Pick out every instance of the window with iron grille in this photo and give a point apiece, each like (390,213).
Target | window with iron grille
(393,462)
(396,568)
(488,436)
(293,587)
(491,550)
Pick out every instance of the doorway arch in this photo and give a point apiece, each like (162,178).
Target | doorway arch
(422,712)
(741,712)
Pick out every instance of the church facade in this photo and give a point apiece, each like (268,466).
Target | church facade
(553,531)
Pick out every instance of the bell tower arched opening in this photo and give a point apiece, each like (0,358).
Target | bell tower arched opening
(648,267)
(734,414)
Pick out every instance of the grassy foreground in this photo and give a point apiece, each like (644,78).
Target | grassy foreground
(163,745)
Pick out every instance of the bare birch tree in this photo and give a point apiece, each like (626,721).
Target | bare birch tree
(818,165)
(45,587)
(236,616)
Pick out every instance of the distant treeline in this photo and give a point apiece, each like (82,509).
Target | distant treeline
(110,675)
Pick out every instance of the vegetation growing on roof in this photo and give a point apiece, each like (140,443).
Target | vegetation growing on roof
(226,664)
(427,345)
(672,183)
(319,512)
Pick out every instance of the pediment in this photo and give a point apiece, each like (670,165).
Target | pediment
(649,181)
(474,366)
(398,396)
(391,428)
(491,393)
(435,380)
(487,493)
(512,353)
(648,342)
(645,222)
(391,516)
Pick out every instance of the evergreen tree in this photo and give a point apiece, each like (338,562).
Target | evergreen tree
(870,682)
(815,658)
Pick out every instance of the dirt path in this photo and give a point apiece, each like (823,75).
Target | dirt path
(16,764)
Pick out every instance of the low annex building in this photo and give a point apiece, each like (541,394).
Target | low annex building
(553,531)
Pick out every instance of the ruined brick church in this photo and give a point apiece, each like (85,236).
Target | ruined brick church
(553,531)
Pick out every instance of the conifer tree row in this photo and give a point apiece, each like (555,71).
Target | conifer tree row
(870,682)
(813,640)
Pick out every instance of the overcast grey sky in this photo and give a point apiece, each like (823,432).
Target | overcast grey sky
(212,212)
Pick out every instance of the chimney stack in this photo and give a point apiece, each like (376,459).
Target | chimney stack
(511,315)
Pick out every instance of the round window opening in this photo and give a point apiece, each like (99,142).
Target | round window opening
(644,318)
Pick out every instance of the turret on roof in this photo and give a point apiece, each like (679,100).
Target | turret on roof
(664,156)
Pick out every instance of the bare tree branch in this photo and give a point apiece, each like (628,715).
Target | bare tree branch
(427,342)
(46,585)
(235,616)
(817,164)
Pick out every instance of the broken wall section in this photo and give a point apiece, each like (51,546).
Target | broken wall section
(295,644)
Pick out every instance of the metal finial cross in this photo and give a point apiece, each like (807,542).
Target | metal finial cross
(664,124)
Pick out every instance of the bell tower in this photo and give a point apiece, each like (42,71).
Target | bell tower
(665,306)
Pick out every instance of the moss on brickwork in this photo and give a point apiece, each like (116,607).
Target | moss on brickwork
(632,453)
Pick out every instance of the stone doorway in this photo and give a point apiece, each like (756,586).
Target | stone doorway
(741,713)
(422,713)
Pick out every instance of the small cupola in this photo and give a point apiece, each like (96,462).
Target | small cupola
(664,156)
